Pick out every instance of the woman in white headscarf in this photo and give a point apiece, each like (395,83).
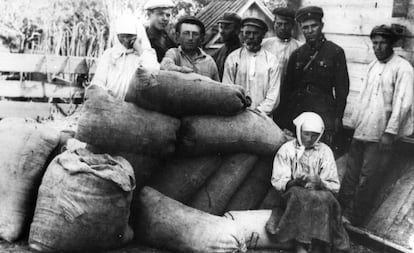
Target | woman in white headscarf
(118,64)
(304,170)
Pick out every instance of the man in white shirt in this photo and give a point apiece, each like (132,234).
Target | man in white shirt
(383,114)
(254,68)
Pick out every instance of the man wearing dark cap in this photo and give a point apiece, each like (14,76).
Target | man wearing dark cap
(229,29)
(255,69)
(159,13)
(283,45)
(189,57)
(382,115)
(317,76)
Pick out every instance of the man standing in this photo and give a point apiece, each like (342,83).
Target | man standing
(189,57)
(255,69)
(159,13)
(383,113)
(317,76)
(229,29)
(283,45)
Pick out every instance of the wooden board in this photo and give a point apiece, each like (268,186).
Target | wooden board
(30,109)
(33,89)
(394,219)
(46,63)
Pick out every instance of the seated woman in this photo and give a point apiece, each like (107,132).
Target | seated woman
(305,171)
(118,64)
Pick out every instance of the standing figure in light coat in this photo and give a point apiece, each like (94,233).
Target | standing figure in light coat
(117,65)
(382,115)
(254,68)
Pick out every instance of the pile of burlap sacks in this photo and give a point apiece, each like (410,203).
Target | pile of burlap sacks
(173,166)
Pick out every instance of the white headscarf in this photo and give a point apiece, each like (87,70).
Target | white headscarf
(308,121)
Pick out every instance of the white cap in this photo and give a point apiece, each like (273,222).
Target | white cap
(126,24)
(153,4)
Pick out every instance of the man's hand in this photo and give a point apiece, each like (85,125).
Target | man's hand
(185,69)
(386,142)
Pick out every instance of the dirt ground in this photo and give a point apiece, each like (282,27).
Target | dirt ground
(22,247)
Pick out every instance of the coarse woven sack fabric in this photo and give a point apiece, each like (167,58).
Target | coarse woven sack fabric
(168,224)
(180,94)
(247,132)
(24,151)
(253,223)
(215,194)
(115,126)
(254,188)
(83,204)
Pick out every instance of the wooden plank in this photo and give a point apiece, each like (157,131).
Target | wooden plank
(29,109)
(46,63)
(33,89)
(393,220)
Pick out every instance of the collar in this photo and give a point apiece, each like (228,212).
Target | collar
(284,40)
(154,33)
(388,59)
(200,53)
(119,50)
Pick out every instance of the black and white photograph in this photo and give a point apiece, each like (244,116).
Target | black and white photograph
(207,126)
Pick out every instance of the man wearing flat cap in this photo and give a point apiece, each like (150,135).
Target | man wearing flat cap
(229,29)
(254,68)
(283,45)
(382,115)
(159,13)
(188,56)
(317,76)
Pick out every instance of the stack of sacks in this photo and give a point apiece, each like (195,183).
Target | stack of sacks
(24,152)
(253,225)
(187,136)
(83,203)
(168,224)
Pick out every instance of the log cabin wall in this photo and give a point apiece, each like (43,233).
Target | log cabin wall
(348,23)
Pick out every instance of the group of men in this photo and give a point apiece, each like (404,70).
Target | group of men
(284,79)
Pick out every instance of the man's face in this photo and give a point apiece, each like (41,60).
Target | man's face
(382,47)
(228,31)
(252,37)
(283,27)
(159,17)
(189,37)
(312,30)
(127,40)
(308,138)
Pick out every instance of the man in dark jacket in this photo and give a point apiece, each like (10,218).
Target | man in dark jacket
(317,76)
(229,29)
(159,13)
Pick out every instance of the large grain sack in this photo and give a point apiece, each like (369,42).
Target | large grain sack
(180,178)
(254,188)
(114,126)
(253,224)
(179,94)
(83,203)
(166,223)
(214,196)
(247,132)
(24,150)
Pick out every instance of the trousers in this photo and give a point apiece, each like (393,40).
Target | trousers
(365,167)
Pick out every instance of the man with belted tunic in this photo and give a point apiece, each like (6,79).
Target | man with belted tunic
(317,76)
